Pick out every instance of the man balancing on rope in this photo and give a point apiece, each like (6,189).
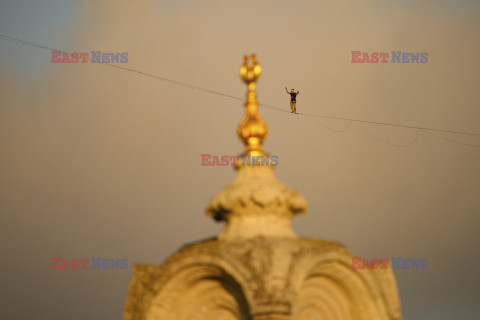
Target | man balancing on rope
(293,99)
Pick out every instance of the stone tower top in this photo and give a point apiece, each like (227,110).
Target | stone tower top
(257,268)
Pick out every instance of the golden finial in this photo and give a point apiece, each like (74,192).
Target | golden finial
(252,129)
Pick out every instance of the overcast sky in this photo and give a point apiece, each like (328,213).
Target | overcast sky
(100,162)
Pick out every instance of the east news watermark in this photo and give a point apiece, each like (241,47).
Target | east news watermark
(92,57)
(397,56)
(97,263)
(209,160)
(394,263)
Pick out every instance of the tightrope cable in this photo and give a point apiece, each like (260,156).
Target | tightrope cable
(350,120)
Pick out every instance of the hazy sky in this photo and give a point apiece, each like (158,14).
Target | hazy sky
(98,162)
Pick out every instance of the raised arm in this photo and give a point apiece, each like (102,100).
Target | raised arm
(286,89)
(298,92)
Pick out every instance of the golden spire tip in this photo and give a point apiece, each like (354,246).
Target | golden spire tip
(252,129)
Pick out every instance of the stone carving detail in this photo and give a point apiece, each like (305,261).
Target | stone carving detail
(256,204)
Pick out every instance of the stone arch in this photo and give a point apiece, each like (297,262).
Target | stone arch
(199,291)
(331,289)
